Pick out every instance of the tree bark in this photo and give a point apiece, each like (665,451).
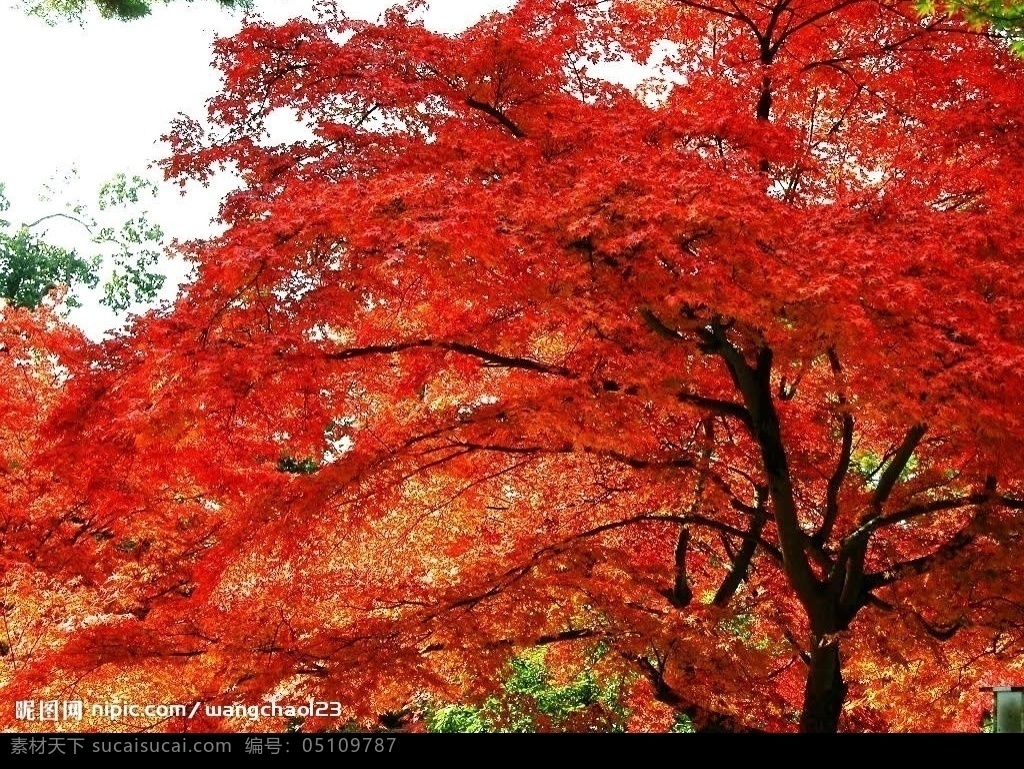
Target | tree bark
(826,690)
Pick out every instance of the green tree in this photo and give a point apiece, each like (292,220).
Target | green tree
(532,700)
(125,10)
(125,258)
(1005,18)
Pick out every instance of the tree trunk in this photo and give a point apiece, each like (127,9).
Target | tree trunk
(826,691)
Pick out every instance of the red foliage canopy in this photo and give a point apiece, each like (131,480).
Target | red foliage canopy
(724,375)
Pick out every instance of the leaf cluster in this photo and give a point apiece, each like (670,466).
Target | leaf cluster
(531,700)
(1004,17)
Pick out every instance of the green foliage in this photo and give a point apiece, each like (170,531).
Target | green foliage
(531,701)
(1004,18)
(683,725)
(988,723)
(137,244)
(305,466)
(31,268)
(869,465)
(743,627)
(124,10)
(460,719)
(125,260)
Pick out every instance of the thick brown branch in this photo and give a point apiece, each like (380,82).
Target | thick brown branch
(521,570)
(916,511)
(754,385)
(849,578)
(941,632)
(896,467)
(548,639)
(736,13)
(702,718)
(682,594)
(936,506)
(917,566)
(695,520)
(489,358)
(635,462)
(716,406)
(498,115)
(835,483)
(659,327)
(741,563)
(812,19)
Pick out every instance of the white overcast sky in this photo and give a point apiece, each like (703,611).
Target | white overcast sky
(97,97)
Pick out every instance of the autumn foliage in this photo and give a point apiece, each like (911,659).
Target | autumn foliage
(715,385)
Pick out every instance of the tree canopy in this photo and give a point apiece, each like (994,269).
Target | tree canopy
(124,10)
(716,386)
(33,265)
(1004,17)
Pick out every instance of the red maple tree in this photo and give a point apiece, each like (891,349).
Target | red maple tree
(723,375)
